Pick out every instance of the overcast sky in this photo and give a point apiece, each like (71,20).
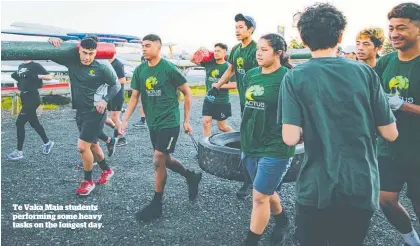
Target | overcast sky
(191,24)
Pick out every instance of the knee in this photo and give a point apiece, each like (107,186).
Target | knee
(260,199)
(34,123)
(83,148)
(223,127)
(159,159)
(206,122)
(115,116)
(388,202)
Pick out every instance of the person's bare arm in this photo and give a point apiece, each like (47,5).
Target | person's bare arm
(291,134)
(186,91)
(45,76)
(227,75)
(411,108)
(388,132)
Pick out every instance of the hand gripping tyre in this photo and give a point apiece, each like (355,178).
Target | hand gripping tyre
(220,154)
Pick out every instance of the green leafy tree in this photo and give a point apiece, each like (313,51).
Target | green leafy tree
(387,47)
(295,44)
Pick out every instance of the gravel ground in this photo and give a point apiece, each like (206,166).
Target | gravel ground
(217,217)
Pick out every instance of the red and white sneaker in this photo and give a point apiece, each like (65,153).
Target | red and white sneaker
(105,176)
(85,188)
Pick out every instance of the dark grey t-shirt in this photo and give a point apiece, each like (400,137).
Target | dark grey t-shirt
(88,83)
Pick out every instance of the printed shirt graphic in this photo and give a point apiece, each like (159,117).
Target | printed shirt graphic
(88,83)
(158,89)
(242,60)
(405,76)
(261,136)
(214,72)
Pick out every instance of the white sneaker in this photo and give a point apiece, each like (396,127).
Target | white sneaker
(15,155)
(47,147)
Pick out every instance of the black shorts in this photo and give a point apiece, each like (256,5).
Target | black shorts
(117,102)
(90,125)
(217,111)
(164,140)
(339,226)
(394,174)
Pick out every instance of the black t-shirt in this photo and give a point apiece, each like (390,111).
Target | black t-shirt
(31,83)
(118,67)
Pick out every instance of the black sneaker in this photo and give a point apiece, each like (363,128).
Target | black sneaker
(244,191)
(279,230)
(150,212)
(111,146)
(140,124)
(193,180)
(121,142)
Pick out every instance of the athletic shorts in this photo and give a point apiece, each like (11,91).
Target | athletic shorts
(164,140)
(266,172)
(117,102)
(333,226)
(90,125)
(394,174)
(218,112)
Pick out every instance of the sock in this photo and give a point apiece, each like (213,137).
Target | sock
(412,238)
(102,164)
(281,218)
(116,133)
(143,119)
(47,142)
(158,197)
(252,239)
(188,174)
(88,175)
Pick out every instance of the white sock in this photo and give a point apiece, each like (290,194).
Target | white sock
(412,238)
(48,142)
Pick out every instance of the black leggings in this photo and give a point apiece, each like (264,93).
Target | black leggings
(30,102)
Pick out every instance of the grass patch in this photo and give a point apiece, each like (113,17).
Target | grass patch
(49,106)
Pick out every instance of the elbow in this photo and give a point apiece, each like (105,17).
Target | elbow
(290,140)
(392,136)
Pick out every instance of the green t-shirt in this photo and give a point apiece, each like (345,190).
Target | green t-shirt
(406,77)
(242,60)
(214,72)
(339,103)
(260,133)
(158,90)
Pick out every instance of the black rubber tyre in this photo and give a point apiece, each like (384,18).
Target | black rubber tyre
(220,155)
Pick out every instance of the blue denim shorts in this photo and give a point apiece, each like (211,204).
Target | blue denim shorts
(266,172)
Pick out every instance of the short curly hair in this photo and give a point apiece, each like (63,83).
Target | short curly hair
(320,26)
(376,35)
(406,10)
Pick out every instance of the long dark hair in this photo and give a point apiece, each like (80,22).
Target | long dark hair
(278,43)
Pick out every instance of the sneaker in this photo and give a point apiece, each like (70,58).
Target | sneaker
(244,191)
(150,212)
(279,230)
(193,180)
(85,188)
(15,155)
(105,176)
(111,146)
(47,147)
(122,141)
(140,124)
